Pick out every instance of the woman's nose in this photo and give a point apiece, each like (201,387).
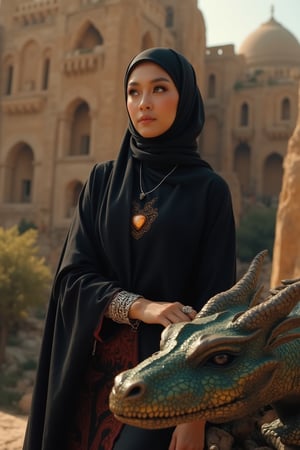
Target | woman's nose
(145,103)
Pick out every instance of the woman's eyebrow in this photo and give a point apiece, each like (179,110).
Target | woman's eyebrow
(155,80)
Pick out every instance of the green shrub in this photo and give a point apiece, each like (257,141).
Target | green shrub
(256,232)
(25,225)
(24,280)
(31,364)
(8,398)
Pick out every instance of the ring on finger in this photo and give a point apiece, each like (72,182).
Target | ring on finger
(187,309)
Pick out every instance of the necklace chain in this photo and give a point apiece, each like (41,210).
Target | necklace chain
(142,193)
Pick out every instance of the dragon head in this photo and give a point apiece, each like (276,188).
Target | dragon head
(221,366)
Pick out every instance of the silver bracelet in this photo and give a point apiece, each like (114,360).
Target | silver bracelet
(118,308)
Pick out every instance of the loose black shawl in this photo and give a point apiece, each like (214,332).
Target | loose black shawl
(188,254)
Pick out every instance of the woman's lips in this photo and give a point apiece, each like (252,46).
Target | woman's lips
(145,119)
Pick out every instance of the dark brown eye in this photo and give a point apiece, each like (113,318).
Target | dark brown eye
(222,359)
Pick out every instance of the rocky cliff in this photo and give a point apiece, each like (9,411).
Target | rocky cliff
(286,256)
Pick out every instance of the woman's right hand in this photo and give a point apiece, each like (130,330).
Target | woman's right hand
(163,313)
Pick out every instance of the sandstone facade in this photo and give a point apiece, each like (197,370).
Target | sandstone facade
(62,101)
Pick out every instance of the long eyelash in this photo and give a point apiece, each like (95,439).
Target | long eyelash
(131,91)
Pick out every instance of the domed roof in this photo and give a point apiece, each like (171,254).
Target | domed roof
(271,44)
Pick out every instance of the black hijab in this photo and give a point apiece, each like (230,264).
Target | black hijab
(178,144)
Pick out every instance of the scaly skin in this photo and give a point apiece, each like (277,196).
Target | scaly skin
(237,355)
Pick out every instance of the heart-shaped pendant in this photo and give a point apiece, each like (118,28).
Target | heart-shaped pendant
(138,221)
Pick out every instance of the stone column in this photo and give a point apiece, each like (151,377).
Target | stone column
(93,132)
(3,176)
(63,136)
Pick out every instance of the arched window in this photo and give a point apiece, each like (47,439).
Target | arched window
(46,72)
(80,132)
(244,115)
(169,16)
(19,174)
(89,38)
(8,76)
(285,109)
(211,86)
(9,80)
(272,176)
(29,61)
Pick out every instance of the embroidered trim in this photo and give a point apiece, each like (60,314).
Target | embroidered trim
(119,307)
(93,426)
(150,214)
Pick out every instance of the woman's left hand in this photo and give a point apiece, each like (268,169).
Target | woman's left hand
(189,436)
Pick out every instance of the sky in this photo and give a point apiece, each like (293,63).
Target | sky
(231,21)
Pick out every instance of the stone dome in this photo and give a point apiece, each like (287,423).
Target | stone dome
(271,45)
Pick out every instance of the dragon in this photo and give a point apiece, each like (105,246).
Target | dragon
(239,354)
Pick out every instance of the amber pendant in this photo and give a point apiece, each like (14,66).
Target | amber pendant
(138,221)
(142,218)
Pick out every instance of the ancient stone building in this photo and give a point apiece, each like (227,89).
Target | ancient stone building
(62,94)
(251,109)
(62,101)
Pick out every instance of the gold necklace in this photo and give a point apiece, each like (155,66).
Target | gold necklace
(143,193)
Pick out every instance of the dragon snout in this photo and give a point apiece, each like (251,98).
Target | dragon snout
(135,390)
(128,390)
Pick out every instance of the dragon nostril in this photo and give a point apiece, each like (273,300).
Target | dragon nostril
(135,390)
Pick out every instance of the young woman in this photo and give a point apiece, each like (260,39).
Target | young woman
(153,238)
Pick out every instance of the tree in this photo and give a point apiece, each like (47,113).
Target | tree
(256,232)
(24,279)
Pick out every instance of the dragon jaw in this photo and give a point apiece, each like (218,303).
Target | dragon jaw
(239,354)
(144,396)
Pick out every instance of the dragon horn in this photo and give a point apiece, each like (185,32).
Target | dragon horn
(240,293)
(271,310)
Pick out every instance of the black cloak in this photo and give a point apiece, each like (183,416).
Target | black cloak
(186,253)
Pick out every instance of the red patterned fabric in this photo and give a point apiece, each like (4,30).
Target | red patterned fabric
(95,427)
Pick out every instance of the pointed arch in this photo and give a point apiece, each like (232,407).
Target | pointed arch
(19,174)
(88,37)
(80,129)
(272,176)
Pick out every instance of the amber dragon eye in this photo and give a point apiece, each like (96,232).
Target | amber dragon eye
(222,359)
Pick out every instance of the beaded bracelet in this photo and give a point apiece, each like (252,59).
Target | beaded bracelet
(118,308)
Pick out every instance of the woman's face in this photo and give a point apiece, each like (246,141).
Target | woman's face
(152,99)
